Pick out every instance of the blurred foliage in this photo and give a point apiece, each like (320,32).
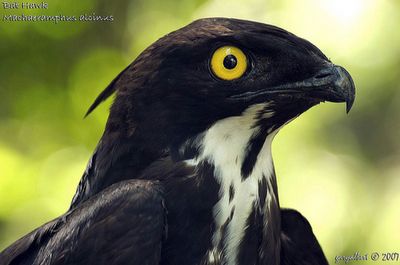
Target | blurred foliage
(342,172)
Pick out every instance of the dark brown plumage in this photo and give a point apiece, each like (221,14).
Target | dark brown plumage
(151,193)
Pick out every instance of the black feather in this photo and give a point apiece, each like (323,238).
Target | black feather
(141,202)
(106,93)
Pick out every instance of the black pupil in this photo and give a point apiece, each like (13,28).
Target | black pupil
(230,61)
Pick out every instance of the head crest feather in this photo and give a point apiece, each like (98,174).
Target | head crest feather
(106,93)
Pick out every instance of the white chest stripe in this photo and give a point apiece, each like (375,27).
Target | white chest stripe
(224,146)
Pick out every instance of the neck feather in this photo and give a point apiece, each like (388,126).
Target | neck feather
(227,145)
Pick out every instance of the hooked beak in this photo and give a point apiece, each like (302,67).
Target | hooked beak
(332,83)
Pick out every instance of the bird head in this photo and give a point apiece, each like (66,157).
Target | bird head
(217,68)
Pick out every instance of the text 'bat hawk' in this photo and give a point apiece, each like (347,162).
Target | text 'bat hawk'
(183,174)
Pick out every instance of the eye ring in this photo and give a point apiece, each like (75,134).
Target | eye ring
(228,63)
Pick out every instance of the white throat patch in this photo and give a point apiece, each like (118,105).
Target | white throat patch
(224,146)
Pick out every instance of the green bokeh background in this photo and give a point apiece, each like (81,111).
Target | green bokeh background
(341,171)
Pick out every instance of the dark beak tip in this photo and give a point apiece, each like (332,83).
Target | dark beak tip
(345,84)
(350,98)
(349,105)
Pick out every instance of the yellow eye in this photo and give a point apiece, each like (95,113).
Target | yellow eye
(228,63)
